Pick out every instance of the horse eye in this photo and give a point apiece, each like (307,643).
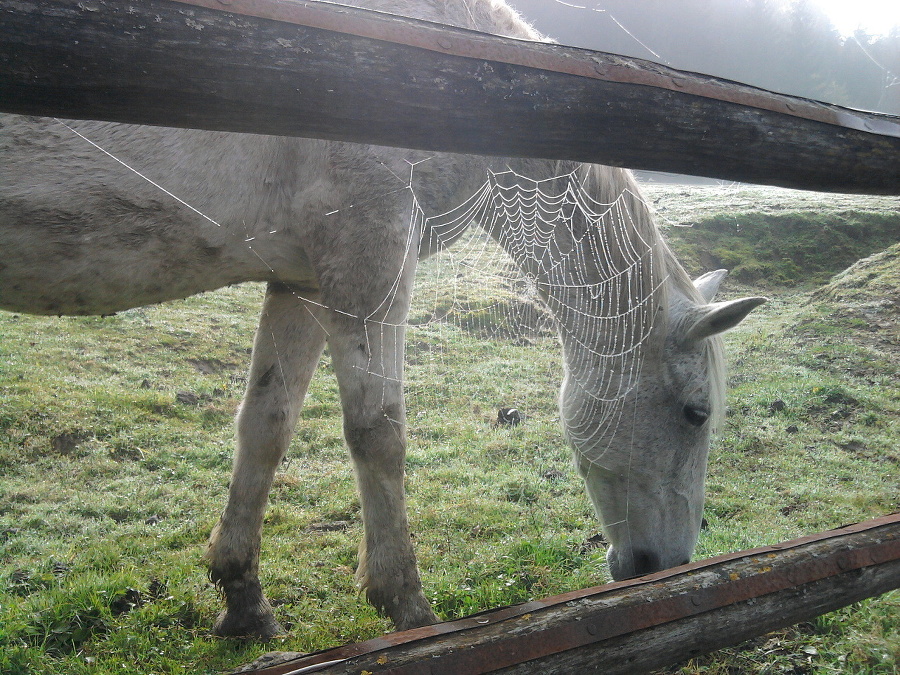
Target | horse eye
(695,416)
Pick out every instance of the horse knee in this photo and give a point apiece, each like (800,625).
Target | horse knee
(379,437)
(265,423)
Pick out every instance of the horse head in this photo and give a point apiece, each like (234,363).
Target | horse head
(644,463)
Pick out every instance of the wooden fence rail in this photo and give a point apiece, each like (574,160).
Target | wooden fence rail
(320,70)
(634,626)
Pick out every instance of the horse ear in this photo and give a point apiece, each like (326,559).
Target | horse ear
(708,284)
(718,317)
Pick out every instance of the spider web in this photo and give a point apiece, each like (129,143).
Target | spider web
(559,262)
(526,262)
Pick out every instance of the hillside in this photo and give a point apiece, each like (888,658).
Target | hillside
(770,236)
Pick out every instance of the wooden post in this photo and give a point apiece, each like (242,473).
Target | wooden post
(635,626)
(326,71)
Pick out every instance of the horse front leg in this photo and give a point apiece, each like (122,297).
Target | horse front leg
(368,359)
(286,350)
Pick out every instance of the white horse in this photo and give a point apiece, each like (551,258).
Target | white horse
(328,226)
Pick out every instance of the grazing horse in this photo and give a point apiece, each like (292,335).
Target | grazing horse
(97,217)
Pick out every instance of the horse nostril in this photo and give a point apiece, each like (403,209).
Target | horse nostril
(646,562)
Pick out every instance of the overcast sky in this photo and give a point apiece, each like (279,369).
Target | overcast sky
(877,17)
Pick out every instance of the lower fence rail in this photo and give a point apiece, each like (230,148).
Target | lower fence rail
(637,625)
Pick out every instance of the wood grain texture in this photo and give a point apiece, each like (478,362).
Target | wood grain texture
(172,64)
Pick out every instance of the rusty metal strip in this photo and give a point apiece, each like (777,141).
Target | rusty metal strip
(485,658)
(594,629)
(470,44)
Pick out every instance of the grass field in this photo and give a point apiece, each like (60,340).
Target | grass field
(116,439)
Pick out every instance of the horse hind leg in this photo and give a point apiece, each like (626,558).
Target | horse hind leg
(368,362)
(286,351)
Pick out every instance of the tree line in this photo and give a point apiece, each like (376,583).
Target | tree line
(791,48)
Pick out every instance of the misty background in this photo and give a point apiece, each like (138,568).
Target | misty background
(791,48)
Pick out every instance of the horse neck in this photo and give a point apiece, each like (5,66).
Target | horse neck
(601,270)
(604,260)
(604,239)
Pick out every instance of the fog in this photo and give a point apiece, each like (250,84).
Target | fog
(789,48)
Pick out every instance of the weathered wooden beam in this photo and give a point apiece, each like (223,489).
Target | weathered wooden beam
(325,71)
(635,626)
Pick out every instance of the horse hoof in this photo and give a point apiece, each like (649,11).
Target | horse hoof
(261,628)
(421,616)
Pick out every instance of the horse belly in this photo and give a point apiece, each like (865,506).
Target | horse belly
(61,262)
(80,234)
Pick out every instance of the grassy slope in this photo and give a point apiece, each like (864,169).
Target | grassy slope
(115,444)
(811,440)
(772,237)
